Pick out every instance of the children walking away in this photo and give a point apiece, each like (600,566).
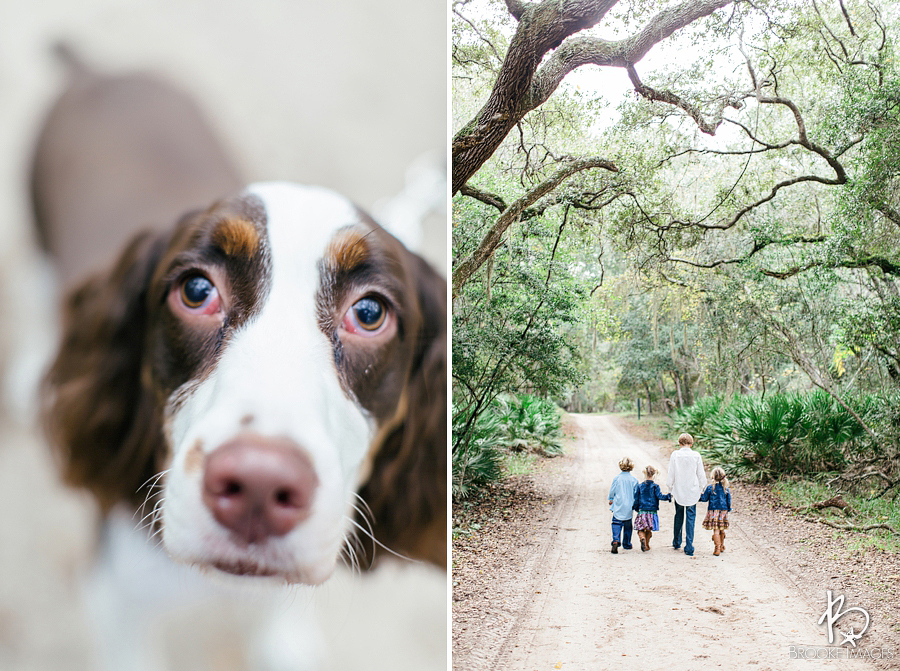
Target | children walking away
(647,496)
(686,482)
(719,496)
(621,500)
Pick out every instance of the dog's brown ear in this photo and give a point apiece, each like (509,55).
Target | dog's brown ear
(407,489)
(99,419)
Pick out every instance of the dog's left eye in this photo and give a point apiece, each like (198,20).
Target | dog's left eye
(366,317)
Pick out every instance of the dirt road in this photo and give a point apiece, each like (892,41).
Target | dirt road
(585,608)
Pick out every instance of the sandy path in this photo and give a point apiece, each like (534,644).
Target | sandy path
(651,610)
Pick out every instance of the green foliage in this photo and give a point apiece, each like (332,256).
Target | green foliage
(697,419)
(530,423)
(509,324)
(646,284)
(760,438)
(477,461)
(507,434)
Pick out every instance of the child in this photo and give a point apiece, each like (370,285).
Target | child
(719,497)
(621,499)
(647,496)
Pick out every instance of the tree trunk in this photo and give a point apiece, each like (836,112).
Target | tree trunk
(649,401)
(676,378)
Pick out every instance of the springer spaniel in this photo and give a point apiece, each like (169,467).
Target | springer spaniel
(271,355)
(266,378)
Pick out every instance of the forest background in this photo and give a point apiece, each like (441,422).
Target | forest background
(720,241)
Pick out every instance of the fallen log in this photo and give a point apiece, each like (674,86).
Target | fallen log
(851,527)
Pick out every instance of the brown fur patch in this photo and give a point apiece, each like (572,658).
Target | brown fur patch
(365,468)
(193,461)
(348,249)
(236,237)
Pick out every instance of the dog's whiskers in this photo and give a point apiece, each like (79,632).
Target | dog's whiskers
(375,541)
(366,516)
(368,510)
(154,488)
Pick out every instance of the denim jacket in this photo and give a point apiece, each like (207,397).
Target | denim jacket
(647,496)
(719,498)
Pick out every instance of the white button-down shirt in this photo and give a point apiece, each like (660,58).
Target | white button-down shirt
(686,479)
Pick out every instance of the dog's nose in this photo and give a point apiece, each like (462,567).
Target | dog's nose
(258,488)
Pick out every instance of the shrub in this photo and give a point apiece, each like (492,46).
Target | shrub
(477,462)
(530,423)
(693,419)
(510,424)
(760,438)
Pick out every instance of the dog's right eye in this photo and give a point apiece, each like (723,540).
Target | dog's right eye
(199,295)
(196,290)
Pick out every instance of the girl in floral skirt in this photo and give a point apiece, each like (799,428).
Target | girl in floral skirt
(719,496)
(647,496)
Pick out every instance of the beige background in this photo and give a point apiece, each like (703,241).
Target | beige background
(346,94)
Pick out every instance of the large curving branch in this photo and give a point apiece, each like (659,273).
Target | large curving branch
(584,50)
(758,246)
(470,265)
(887,266)
(670,98)
(586,201)
(802,140)
(485,197)
(522,85)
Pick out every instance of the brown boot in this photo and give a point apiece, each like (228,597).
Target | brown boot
(722,540)
(643,536)
(715,539)
(649,535)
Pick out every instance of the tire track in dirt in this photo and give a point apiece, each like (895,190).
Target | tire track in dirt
(501,622)
(581,607)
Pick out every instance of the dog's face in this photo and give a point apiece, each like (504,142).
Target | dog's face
(280,334)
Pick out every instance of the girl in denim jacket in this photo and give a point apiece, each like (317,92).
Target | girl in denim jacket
(719,496)
(647,496)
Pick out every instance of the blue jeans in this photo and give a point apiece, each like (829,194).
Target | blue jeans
(622,528)
(688,527)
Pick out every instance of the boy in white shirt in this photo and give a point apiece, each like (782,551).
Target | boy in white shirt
(686,481)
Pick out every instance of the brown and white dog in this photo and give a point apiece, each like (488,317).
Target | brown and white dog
(268,372)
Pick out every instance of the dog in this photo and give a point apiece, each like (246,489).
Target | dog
(265,378)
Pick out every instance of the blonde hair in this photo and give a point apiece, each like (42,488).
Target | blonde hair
(685,439)
(649,472)
(626,464)
(718,474)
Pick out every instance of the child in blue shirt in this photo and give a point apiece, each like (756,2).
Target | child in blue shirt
(719,496)
(621,500)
